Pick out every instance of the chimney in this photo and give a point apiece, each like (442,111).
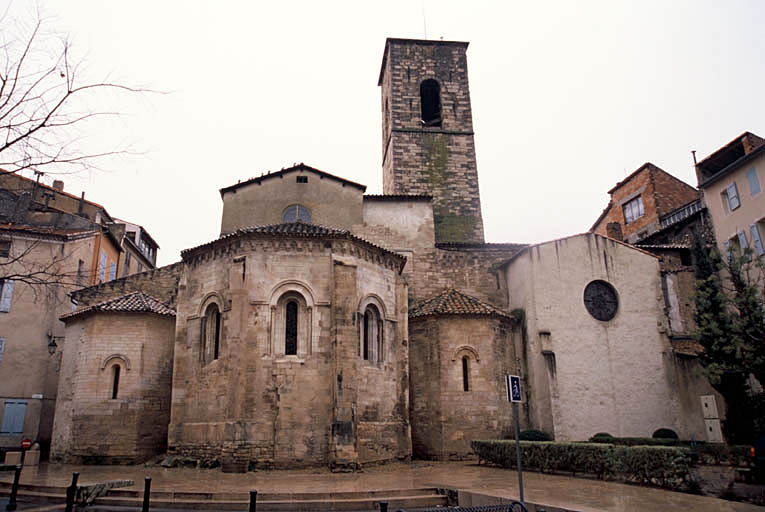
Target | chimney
(58,185)
(614,230)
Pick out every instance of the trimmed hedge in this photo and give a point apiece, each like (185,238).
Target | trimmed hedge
(664,466)
(701,451)
(665,433)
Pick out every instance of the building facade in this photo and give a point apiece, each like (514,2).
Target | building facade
(326,326)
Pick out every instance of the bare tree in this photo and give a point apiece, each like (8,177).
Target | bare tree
(44,102)
(47,110)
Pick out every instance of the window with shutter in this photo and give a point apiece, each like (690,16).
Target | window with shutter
(754,182)
(102,267)
(6,285)
(757,240)
(2,346)
(112,270)
(743,244)
(733,200)
(13,417)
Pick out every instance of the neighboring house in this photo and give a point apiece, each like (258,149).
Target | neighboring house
(51,243)
(641,204)
(731,180)
(140,248)
(326,326)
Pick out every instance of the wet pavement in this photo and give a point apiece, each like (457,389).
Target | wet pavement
(551,490)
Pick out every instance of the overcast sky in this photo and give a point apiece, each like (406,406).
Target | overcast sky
(568,98)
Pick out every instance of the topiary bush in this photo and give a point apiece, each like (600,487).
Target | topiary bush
(604,436)
(664,466)
(534,435)
(665,433)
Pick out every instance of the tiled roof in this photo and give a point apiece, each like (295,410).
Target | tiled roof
(298,167)
(47,232)
(295,230)
(687,347)
(136,302)
(452,302)
(662,246)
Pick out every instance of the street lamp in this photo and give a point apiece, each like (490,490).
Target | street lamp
(52,346)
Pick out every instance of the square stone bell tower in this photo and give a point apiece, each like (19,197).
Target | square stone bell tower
(428,145)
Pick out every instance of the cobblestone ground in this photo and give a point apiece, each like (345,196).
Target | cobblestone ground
(551,490)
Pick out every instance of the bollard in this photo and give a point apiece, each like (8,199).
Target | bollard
(383,506)
(14,488)
(146,494)
(71,492)
(253,500)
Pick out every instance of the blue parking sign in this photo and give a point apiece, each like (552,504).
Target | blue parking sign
(513,386)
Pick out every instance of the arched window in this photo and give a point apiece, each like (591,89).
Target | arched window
(211,328)
(430,103)
(371,335)
(115,380)
(465,374)
(291,329)
(297,213)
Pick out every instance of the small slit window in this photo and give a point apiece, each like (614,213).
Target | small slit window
(465,374)
(430,103)
(372,348)
(301,179)
(115,381)
(211,331)
(291,329)
(297,213)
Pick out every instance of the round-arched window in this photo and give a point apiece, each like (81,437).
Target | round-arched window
(601,300)
(297,213)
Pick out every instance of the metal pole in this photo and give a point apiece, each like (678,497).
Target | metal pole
(146,494)
(71,492)
(383,506)
(253,500)
(518,450)
(14,489)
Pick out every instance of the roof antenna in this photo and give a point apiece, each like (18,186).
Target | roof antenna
(424,26)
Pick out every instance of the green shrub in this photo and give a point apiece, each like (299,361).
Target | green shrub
(602,435)
(665,433)
(654,465)
(534,435)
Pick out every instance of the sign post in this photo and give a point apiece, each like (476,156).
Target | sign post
(513,386)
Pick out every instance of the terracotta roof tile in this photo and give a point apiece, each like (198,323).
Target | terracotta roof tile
(136,302)
(296,230)
(452,302)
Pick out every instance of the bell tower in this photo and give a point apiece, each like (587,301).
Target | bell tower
(427,136)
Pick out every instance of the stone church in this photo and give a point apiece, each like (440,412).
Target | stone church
(328,326)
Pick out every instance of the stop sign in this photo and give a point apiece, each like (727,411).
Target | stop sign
(26,444)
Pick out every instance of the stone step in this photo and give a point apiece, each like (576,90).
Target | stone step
(271,496)
(346,504)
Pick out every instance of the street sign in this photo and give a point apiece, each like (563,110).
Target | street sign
(26,444)
(513,386)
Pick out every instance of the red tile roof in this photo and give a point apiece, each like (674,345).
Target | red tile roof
(136,302)
(687,347)
(452,302)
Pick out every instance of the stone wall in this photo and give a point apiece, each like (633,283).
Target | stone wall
(161,283)
(445,417)
(90,425)
(586,375)
(254,403)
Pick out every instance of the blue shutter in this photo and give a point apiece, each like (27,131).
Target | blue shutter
(733,201)
(757,240)
(13,417)
(754,183)
(102,267)
(2,346)
(742,241)
(112,270)
(6,295)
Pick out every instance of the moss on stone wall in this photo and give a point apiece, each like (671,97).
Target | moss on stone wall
(436,155)
(451,227)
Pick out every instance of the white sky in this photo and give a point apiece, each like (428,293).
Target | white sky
(568,98)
